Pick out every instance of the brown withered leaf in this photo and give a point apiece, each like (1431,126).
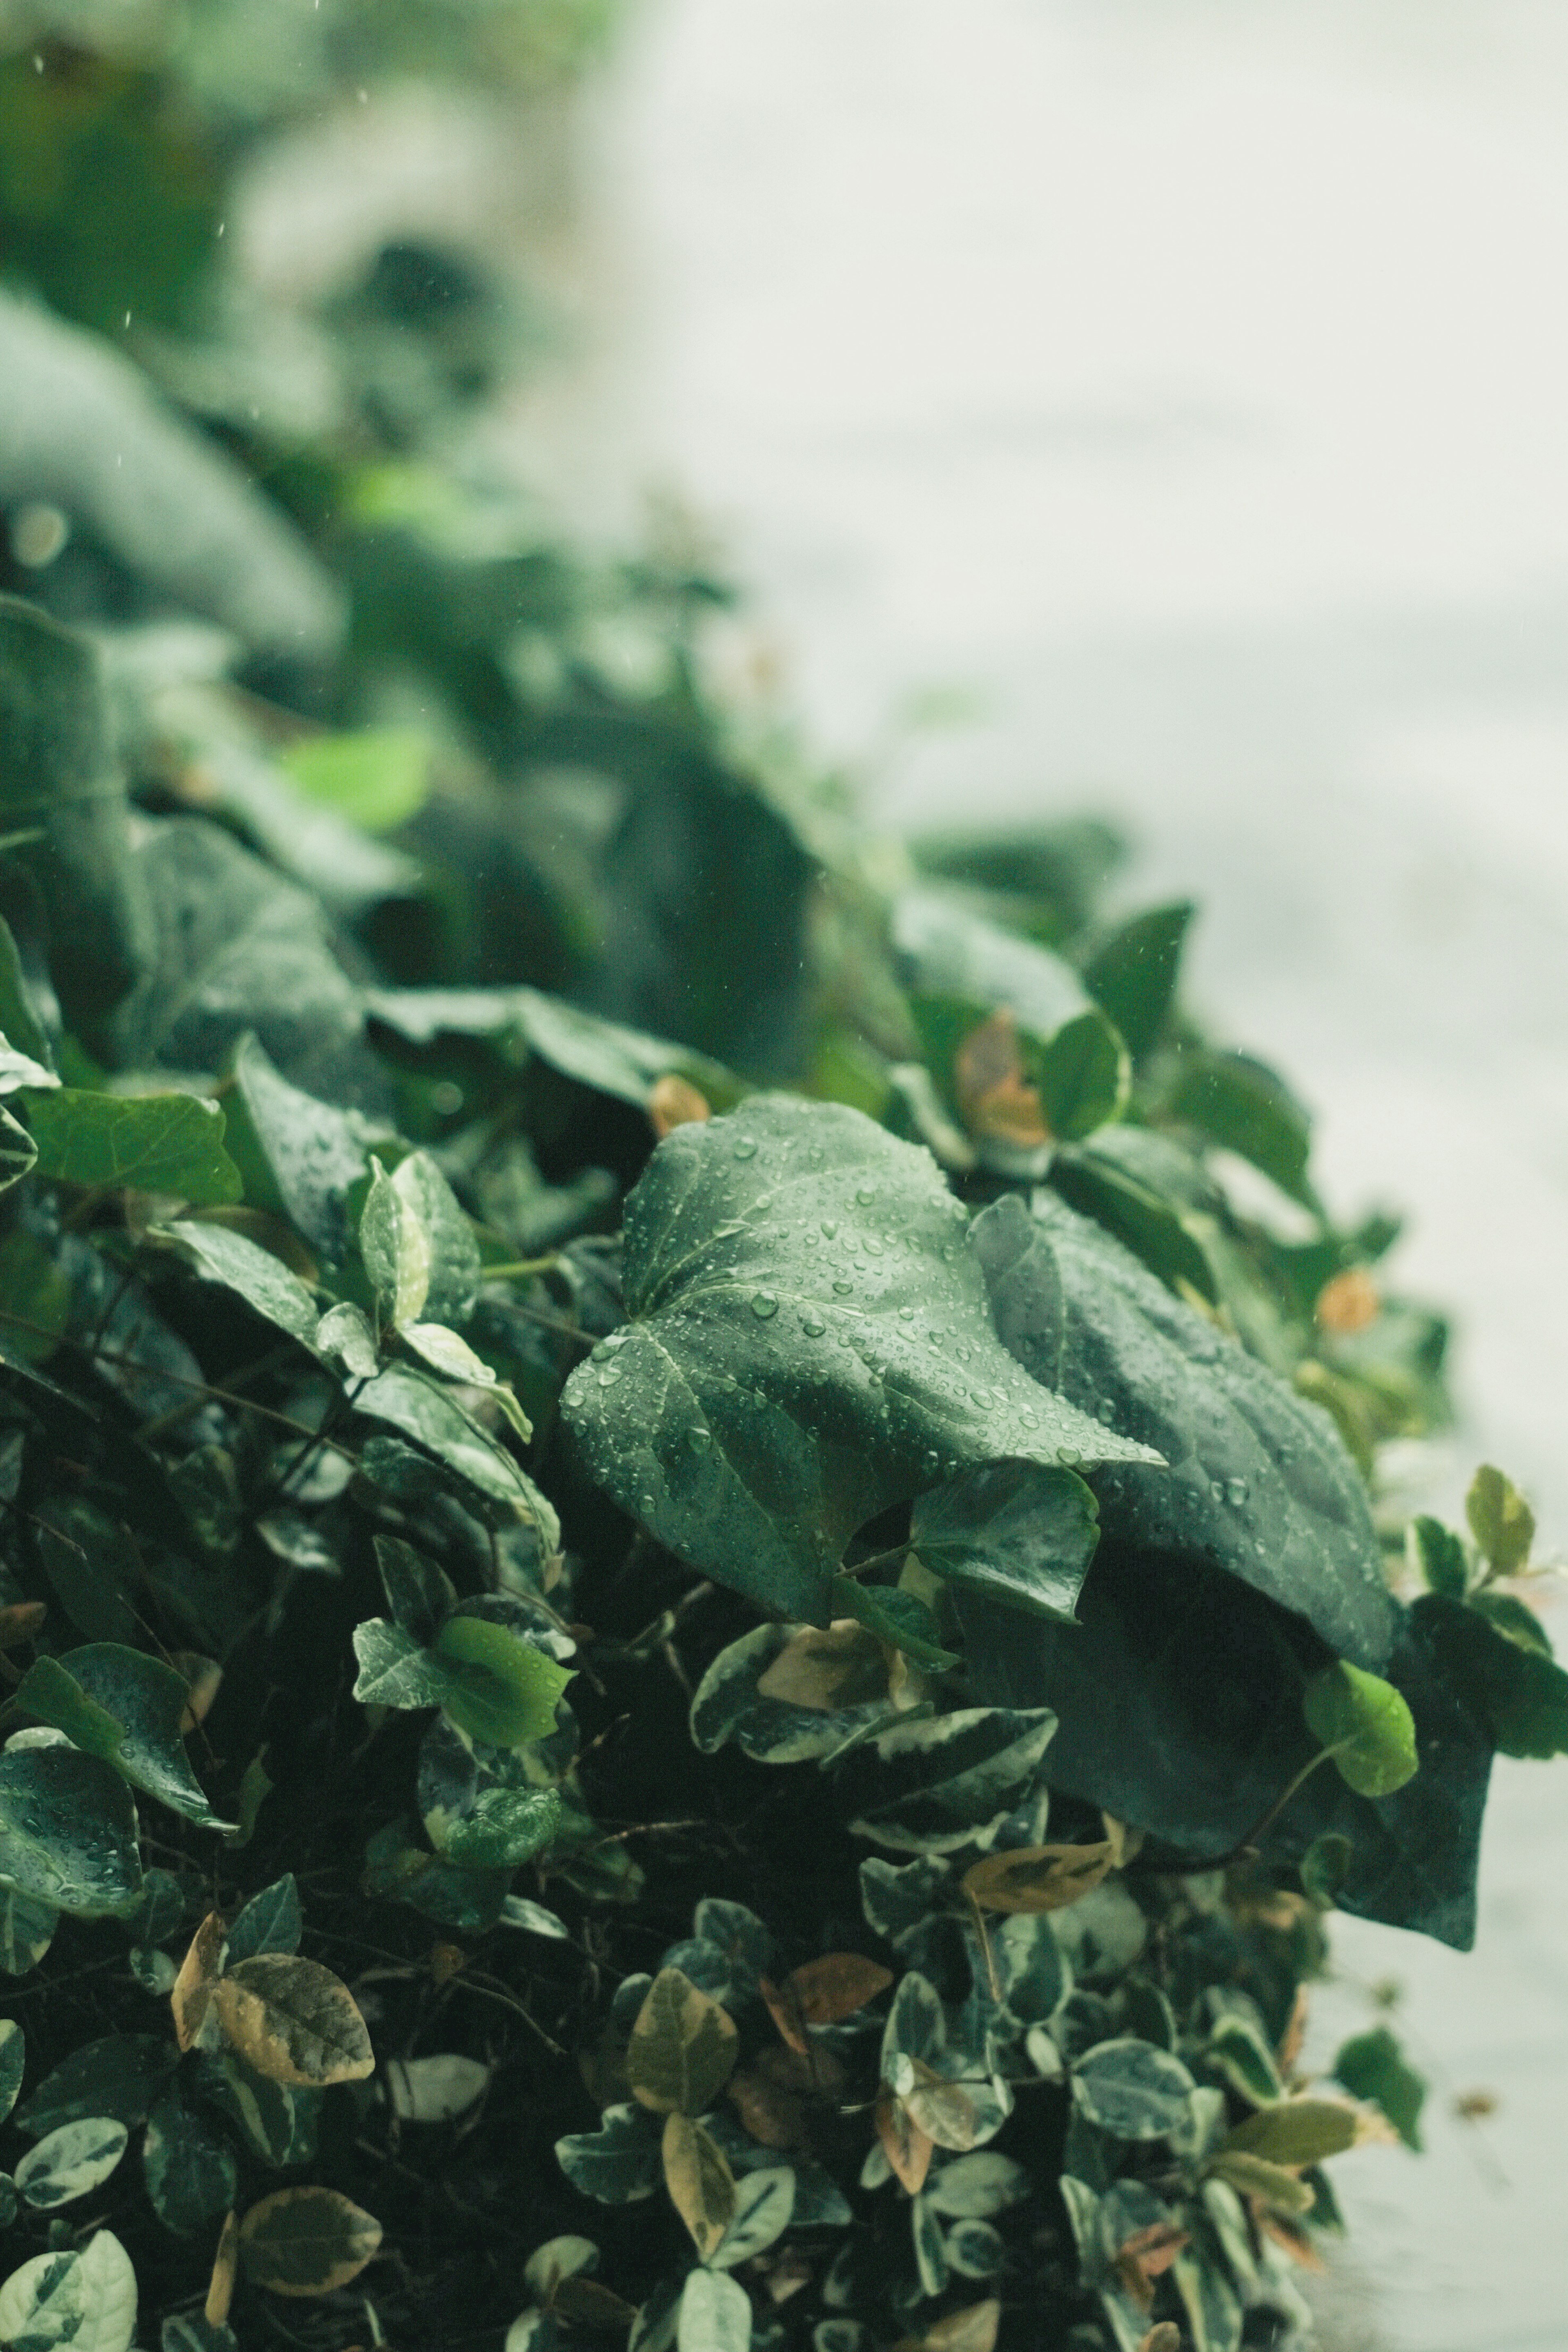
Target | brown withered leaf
(1146,2255)
(907,2148)
(1164,2338)
(293,2021)
(674,1102)
(1134,2284)
(700,2184)
(22,1621)
(835,1986)
(972,2329)
(1034,1878)
(226,2268)
(588,2305)
(1295,2033)
(193,1990)
(994,1096)
(1348,1302)
(1290,2237)
(827,1667)
(813,2073)
(682,2047)
(772,2115)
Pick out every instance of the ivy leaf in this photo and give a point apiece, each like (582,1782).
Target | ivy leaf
(68,1830)
(304,2241)
(1365,1726)
(271,1921)
(1373,2066)
(420,1595)
(1257,1480)
(293,2021)
(618,2163)
(1520,1695)
(121,2076)
(86,2299)
(264,1282)
(127,1707)
(430,1416)
(500,1688)
(157,1143)
(897,1617)
(1242,1105)
(1021,1532)
(1501,1521)
(1083,1075)
(603,1055)
(682,2047)
(1438,1556)
(298,1157)
(700,2185)
(809,1343)
(188,2168)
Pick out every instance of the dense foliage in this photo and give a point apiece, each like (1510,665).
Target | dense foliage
(695,1611)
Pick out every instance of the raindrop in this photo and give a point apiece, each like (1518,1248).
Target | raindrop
(1069,1457)
(745,1147)
(763,1304)
(906,1314)
(1235,1492)
(865,1196)
(1217,1490)
(813,1328)
(830,1226)
(701,1439)
(1105,1411)
(843,1288)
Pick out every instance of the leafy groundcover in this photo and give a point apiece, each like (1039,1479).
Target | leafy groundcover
(696,1615)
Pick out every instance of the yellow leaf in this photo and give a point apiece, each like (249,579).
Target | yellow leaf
(700,2184)
(1296,2131)
(1034,1878)
(682,2047)
(226,2263)
(198,1974)
(307,2241)
(827,1667)
(907,2148)
(674,1102)
(1253,2176)
(293,2021)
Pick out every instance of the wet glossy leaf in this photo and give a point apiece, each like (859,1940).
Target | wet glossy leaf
(298,1157)
(68,1830)
(69,2161)
(1520,1695)
(1501,1521)
(127,1707)
(1131,975)
(500,1688)
(1131,2088)
(86,2300)
(293,2021)
(1373,2066)
(307,2241)
(619,2162)
(1365,1724)
(220,1255)
(791,1368)
(715,2314)
(120,2076)
(427,1413)
(602,1055)
(159,1143)
(930,1787)
(700,2185)
(187,2167)
(271,1921)
(683,2048)
(1018,1530)
(344,1331)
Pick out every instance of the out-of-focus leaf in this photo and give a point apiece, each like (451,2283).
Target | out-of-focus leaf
(1239,1103)
(1133,974)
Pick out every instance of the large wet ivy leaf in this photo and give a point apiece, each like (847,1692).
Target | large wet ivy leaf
(1259,1482)
(602,1055)
(127,1707)
(809,1343)
(299,1157)
(158,1143)
(68,1830)
(220,1254)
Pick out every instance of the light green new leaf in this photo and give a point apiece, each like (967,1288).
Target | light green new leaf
(126,1706)
(1373,2066)
(1018,1530)
(264,1282)
(377,777)
(500,1688)
(156,1143)
(69,2161)
(809,1343)
(85,2300)
(1365,1724)
(1294,2131)
(1131,2088)
(1501,1521)
(68,1830)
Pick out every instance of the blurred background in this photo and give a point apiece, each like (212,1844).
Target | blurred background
(1153,411)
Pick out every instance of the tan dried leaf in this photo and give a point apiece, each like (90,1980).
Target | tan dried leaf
(682,2047)
(772,2115)
(994,1096)
(700,2184)
(1164,2338)
(1290,2237)
(22,1621)
(907,2148)
(307,2241)
(972,2329)
(835,1986)
(293,2021)
(674,1102)
(1348,1302)
(1295,2034)
(225,2265)
(1154,2249)
(193,1990)
(827,1667)
(203,1676)
(1034,1878)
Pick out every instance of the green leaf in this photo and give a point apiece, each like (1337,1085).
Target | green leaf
(84,1558)
(932,1786)
(86,2300)
(1131,2088)
(453,1276)
(126,1706)
(972,2187)
(279,2120)
(377,777)
(298,1157)
(1373,2066)
(344,1331)
(945,950)
(1366,1726)
(896,1617)
(1325,1866)
(1082,1075)
(26,1930)
(397,1249)
(533,1919)
(19,1018)
(503,1827)
(69,2161)
(1294,2131)
(1132,975)
(264,1282)
(19,1069)
(1259,1481)
(1114,1180)
(715,2314)
(271,1922)
(120,2076)
(501,1688)
(1438,1556)
(809,1344)
(1242,1105)
(603,1055)
(190,2332)
(157,1143)
(682,2047)
(1022,1533)
(1501,1521)
(1520,1695)
(420,1595)
(764,2207)
(307,2241)
(68,1830)
(1212,2311)
(619,2162)
(12,2061)
(430,1416)
(188,2168)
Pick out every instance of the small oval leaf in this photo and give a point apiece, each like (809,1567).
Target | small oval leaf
(307,2241)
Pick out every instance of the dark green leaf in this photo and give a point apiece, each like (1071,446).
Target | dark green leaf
(127,1706)
(279,2120)
(1247,1108)
(120,2076)
(271,1922)
(420,1595)
(1373,2066)
(1520,1696)
(428,1414)
(945,950)
(1513,1617)
(1131,975)
(158,1143)
(263,1281)
(600,1054)
(19,1021)
(1259,1481)
(1083,1075)
(1016,1530)
(188,2168)
(298,1157)
(619,2162)
(68,1830)
(84,1558)
(1113,1180)
(896,1617)
(13,2061)
(1325,1866)
(1365,1726)
(1438,1558)
(810,1343)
